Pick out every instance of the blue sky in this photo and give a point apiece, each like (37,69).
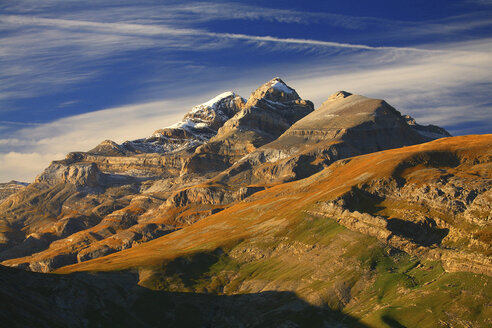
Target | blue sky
(73,73)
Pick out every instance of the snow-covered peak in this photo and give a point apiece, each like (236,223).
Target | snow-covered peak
(219,108)
(212,102)
(279,85)
(197,126)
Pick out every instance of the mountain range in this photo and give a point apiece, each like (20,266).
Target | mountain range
(258,212)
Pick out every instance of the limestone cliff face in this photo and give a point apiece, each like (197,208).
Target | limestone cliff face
(210,195)
(79,174)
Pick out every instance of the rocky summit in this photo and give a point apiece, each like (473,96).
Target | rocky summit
(258,212)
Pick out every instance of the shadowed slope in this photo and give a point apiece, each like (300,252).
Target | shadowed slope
(30,299)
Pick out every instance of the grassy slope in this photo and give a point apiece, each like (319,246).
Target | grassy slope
(270,243)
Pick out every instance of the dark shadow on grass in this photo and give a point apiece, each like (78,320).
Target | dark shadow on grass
(391,322)
(115,300)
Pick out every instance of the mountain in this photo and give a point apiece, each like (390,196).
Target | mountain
(197,127)
(116,196)
(351,212)
(269,111)
(430,200)
(9,188)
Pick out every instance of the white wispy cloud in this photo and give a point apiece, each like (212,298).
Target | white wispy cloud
(42,53)
(24,166)
(313,43)
(123,28)
(178,12)
(61,52)
(24,154)
(235,11)
(201,12)
(162,30)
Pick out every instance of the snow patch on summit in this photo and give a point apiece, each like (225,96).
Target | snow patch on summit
(197,126)
(201,116)
(212,102)
(277,84)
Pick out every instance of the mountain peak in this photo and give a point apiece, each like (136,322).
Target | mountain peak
(339,94)
(214,113)
(212,103)
(275,90)
(277,84)
(210,113)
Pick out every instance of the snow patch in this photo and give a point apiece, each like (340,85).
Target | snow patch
(187,125)
(213,102)
(201,125)
(281,86)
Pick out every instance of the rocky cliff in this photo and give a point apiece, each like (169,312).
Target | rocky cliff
(345,125)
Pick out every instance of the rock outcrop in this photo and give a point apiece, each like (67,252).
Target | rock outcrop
(9,188)
(434,204)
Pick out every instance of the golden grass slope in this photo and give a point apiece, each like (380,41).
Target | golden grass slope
(279,208)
